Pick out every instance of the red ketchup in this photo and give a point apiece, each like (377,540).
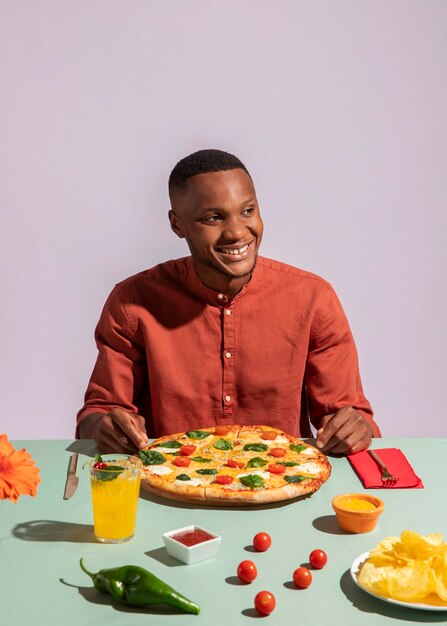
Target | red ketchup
(192,537)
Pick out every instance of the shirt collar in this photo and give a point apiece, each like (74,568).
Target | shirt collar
(212,297)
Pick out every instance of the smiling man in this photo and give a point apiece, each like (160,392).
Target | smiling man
(223,336)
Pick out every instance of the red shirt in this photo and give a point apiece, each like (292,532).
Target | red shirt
(184,356)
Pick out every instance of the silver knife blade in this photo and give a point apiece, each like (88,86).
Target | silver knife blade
(72,480)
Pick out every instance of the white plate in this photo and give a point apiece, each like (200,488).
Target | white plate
(355,568)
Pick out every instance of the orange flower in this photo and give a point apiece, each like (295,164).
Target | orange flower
(18,472)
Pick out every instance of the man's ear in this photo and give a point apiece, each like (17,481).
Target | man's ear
(176,224)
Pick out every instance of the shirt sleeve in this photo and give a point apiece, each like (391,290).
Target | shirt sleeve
(332,372)
(120,371)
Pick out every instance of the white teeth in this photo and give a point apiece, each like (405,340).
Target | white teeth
(235,250)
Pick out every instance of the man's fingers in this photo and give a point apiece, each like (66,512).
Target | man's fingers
(344,432)
(132,425)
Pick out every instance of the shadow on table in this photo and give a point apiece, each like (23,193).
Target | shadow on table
(160,555)
(328,524)
(52,530)
(366,603)
(92,595)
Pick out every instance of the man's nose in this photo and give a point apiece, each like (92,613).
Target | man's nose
(234,229)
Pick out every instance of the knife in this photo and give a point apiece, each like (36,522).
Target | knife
(72,479)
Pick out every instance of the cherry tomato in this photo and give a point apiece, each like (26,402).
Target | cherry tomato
(302,577)
(187,450)
(318,559)
(222,430)
(224,479)
(265,602)
(182,461)
(246,571)
(278,452)
(100,465)
(262,542)
(232,463)
(269,435)
(274,468)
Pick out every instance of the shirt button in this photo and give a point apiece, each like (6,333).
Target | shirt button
(227,312)
(228,355)
(221,296)
(227,398)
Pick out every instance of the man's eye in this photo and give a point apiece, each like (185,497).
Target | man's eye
(211,219)
(249,210)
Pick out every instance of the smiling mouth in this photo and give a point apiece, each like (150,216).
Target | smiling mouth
(234,251)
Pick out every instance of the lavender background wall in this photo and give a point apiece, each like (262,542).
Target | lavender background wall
(337,108)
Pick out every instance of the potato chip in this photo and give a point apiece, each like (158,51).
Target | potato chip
(408,568)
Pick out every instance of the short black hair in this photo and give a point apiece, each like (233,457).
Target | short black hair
(202,162)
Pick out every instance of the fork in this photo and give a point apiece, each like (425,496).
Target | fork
(387,477)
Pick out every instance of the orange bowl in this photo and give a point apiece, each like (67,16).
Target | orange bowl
(357,512)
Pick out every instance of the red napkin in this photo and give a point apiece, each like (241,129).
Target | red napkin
(369,472)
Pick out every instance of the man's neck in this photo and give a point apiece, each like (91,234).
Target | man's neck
(230,286)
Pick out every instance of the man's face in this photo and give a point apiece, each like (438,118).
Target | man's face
(218,215)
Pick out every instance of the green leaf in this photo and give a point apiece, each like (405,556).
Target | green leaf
(151,457)
(206,472)
(256,447)
(183,477)
(112,472)
(294,479)
(197,434)
(252,480)
(256,461)
(288,463)
(200,459)
(223,444)
(297,447)
(169,444)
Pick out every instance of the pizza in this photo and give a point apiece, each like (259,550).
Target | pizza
(232,465)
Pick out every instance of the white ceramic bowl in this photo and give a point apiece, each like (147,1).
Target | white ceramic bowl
(191,554)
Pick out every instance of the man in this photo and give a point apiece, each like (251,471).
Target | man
(223,336)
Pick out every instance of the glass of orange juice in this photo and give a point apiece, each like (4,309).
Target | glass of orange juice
(115,486)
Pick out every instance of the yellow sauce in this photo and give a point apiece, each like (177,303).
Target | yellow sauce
(357,504)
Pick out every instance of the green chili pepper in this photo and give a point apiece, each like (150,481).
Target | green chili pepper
(137,587)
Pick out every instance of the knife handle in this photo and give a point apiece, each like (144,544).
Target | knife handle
(72,464)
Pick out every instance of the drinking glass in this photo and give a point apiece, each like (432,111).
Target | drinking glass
(115,490)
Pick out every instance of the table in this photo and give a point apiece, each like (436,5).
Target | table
(43,538)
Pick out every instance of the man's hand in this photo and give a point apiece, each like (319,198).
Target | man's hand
(117,431)
(344,432)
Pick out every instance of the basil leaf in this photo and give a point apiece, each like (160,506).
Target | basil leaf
(197,434)
(183,477)
(200,459)
(252,480)
(169,444)
(98,458)
(223,444)
(288,463)
(297,447)
(112,472)
(151,457)
(294,479)
(206,472)
(256,447)
(256,461)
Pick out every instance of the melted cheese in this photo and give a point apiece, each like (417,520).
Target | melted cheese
(308,452)
(308,468)
(194,482)
(159,470)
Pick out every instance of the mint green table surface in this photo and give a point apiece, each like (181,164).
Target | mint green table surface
(42,539)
